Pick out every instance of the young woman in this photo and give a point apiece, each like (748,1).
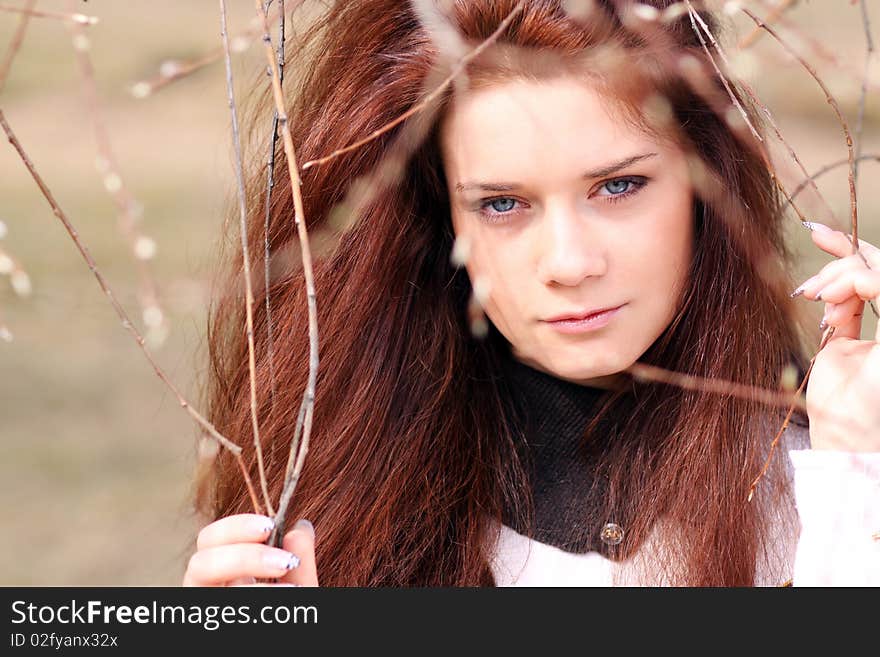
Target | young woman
(607,213)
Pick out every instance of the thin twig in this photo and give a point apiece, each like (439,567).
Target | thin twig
(430,97)
(770,119)
(817,48)
(869,46)
(82,19)
(175,70)
(694,16)
(172,71)
(854,230)
(831,101)
(788,415)
(775,13)
(270,183)
(852,190)
(830,167)
(120,311)
(15,44)
(142,247)
(246,262)
(643,372)
(292,476)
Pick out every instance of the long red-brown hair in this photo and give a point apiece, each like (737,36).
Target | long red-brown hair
(410,457)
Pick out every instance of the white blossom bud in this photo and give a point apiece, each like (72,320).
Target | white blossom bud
(461,251)
(239,44)
(81,43)
(482,287)
(730,8)
(141,89)
(145,248)
(169,68)
(82,19)
(153,316)
(112,182)
(646,12)
(21,282)
(579,10)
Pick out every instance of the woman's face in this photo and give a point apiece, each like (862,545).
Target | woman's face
(568,210)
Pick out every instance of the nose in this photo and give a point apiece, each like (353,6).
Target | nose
(569,249)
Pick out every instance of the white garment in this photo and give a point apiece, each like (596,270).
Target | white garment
(837,496)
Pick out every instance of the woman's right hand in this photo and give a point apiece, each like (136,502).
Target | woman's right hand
(231,552)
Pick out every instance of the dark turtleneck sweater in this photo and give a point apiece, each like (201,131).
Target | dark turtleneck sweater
(549,417)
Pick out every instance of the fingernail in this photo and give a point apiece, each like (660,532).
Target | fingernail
(281,560)
(819,296)
(814,225)
(264,525)
(798,292)
(823,325)
(302,523)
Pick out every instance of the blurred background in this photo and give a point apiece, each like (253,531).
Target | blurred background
(97,455)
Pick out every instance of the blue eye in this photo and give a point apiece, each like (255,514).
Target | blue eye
(502,204)
(618,186)
(496,210)
(621,188)
(502,208)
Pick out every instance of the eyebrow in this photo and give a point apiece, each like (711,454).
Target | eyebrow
(600,172)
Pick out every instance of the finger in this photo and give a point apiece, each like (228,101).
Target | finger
(839,244)
(846,318)
(301,541)
(862,283)
(215,566)
(240,528)
(813,285)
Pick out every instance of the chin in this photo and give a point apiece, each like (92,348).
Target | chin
(581,369)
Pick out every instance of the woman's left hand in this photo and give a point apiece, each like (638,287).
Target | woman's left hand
(843,393)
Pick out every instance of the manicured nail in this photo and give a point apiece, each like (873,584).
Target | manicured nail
(814,225)
(264,525)
(302,523)
(819,296)
(798,292)
(281,560)
(823,325)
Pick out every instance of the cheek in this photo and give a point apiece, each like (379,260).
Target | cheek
(659,257)
(503,271)
(673,258)
(671,237)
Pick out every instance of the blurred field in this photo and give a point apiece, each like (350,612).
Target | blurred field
(97,455)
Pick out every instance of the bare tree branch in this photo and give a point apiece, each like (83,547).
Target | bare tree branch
(142,247)
(292,475)
(15,44)
(120,311)
(172,70)
(270,184)
(768,115)
(246,263)
(831,101)
(429,98)
(869,45)
(82,19)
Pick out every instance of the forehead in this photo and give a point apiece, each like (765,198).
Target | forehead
(518,125)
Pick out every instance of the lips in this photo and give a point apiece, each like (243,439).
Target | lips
(577,315)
